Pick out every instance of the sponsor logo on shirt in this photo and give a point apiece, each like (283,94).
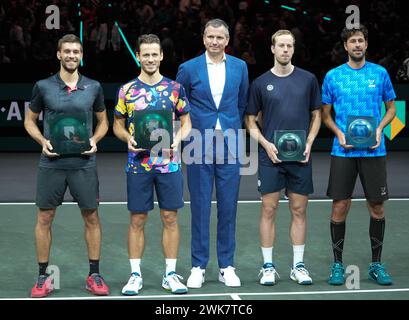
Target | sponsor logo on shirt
(270,87)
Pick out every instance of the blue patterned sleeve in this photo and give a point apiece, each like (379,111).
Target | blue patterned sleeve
(388,93)
(327,97)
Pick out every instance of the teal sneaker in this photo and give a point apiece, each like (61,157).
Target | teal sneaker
(337,277)
(376,272)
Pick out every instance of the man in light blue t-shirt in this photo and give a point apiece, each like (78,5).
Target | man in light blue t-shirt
(357,88)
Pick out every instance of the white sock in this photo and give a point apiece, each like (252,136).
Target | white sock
(298,254)
(170,265)
(135,265)
(267,254)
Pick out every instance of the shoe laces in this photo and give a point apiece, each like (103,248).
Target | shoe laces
(134,277)
(174,276)
(41,281)
(301,268)
(337,268)
(98,279)
(379,269)
(269,270)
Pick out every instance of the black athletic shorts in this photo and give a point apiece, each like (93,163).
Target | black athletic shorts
(52,184)
(343,174)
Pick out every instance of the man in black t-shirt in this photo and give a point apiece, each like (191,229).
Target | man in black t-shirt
(68,101)
(284,98)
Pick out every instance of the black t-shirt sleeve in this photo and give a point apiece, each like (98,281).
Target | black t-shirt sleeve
(99,104)
(315,93)
(254,104)
(36,103)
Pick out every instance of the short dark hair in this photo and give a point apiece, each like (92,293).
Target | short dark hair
(349,32)
(68,38)
(147,39)
(216,23)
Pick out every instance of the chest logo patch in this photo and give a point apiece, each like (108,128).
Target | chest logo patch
(270,87)
(371,84)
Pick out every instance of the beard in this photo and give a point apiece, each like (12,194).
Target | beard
(68,69)
(357,59)
(283,63)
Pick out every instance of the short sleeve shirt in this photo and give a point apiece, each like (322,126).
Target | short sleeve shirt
(137,96)
(357,92)
(286,103)
(53,96)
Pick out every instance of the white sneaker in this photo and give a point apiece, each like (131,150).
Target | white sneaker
(133,286)
(196,278)
(269,274)
(229,278)
(171,282)
(300,274)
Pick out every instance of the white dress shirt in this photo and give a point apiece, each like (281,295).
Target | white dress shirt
(217,79)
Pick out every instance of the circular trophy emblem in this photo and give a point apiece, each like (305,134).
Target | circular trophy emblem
(289,144)
(360,130)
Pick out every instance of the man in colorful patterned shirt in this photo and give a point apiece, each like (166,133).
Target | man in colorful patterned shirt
(357,88)
(147,169)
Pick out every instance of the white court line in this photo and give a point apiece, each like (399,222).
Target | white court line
(188,202)
(185,297)
(235,297)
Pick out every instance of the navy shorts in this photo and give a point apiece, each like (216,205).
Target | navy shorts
(295,177)
(168,186)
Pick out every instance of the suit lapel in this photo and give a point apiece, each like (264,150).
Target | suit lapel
(204,77)
(229,72)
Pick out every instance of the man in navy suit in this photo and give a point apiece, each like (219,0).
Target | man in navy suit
(216,85)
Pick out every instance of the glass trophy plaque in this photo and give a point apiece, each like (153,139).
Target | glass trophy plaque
(290,144)
(153,127)
(361,132)
(69,133)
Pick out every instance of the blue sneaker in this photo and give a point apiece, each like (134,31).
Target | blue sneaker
(337,277)
(376,272)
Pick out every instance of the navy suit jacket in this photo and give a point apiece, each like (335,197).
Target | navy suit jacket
(194,77)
